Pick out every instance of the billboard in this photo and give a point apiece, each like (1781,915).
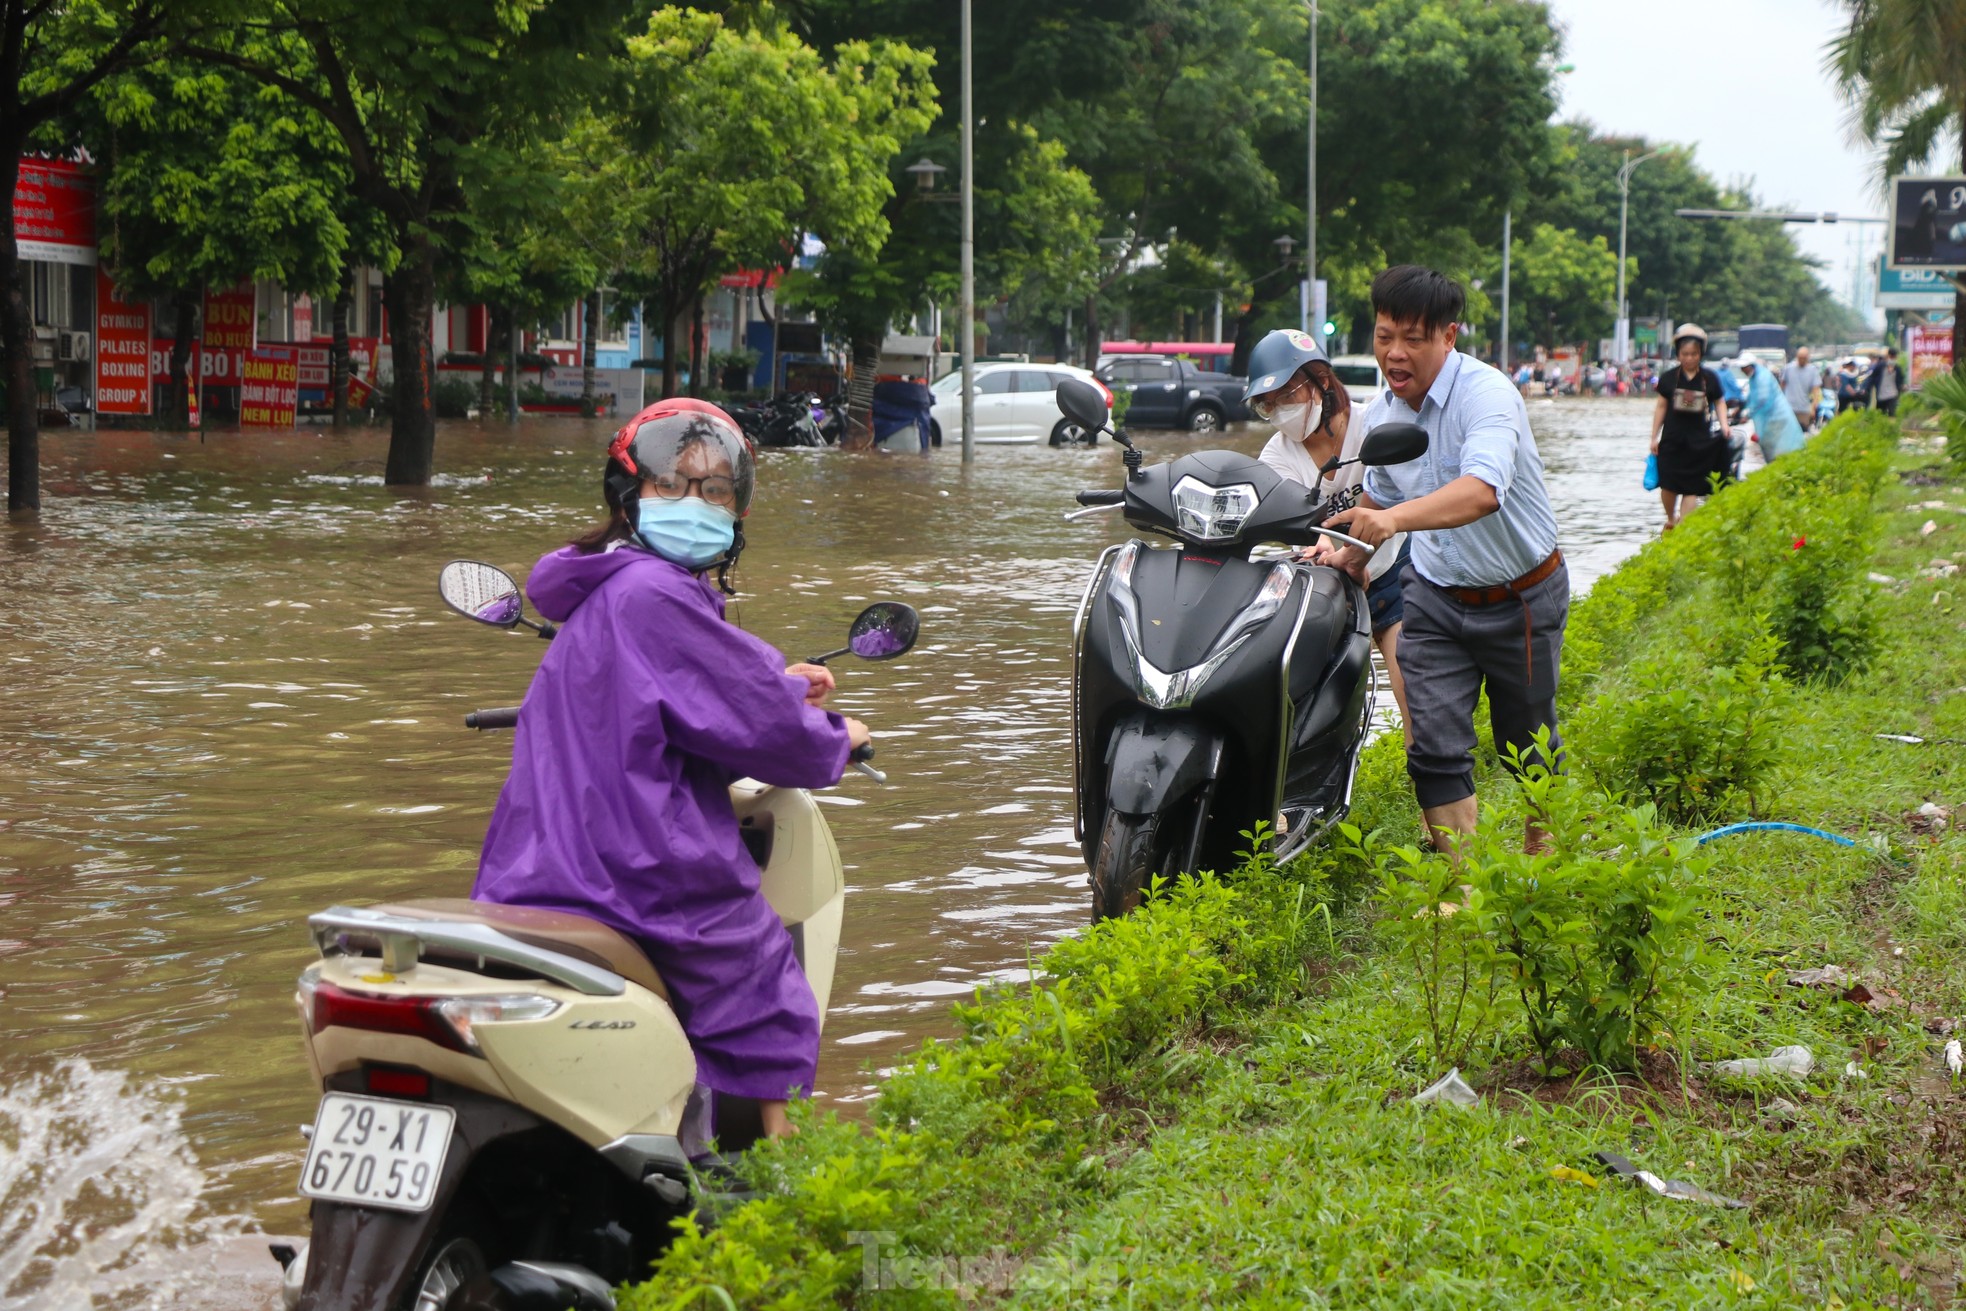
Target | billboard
(122,350)
(55,212)
(1928,223)
(231,325)
(1913,289)
(1928,353)
(269,387)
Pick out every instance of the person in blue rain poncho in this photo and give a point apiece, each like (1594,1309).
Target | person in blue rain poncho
(1774,422)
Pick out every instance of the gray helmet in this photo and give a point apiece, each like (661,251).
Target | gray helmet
(1276,357)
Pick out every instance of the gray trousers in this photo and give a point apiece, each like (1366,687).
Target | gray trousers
(1448,651)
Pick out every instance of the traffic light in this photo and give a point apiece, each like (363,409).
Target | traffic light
(1330,326)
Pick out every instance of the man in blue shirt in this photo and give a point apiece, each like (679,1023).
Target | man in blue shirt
(1487,593)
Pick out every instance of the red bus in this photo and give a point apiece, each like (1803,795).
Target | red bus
(1209,356)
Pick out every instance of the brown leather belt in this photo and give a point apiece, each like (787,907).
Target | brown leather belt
(1506,591)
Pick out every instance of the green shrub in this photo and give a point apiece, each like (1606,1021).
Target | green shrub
(1944,397)
(453,397)
(1589,945)
(1700,742)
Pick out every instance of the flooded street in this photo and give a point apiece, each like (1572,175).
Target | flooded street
(232,698)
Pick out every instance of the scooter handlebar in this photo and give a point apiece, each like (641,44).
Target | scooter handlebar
(500,717)
(1102,497)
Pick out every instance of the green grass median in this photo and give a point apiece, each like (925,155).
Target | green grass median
(1209,1103)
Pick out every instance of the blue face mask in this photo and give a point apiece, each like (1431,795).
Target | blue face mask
(690,532)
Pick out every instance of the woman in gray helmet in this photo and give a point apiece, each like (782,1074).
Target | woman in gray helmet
(1292,388)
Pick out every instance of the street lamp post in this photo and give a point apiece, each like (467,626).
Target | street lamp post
(1622,347)
(968,305)
(1313,314)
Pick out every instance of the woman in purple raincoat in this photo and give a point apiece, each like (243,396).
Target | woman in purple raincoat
(647,706)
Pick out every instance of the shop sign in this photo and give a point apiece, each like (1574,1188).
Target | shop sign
(122,351)
(230,318)
(1928,352)
(269,388)
(1928,223)
(55,213)
(1913,289)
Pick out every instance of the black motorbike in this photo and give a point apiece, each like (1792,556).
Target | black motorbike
(784,420)
(1211,691)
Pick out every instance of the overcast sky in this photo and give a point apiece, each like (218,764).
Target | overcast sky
(1743,82)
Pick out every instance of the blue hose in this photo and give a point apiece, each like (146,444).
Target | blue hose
(1765,825)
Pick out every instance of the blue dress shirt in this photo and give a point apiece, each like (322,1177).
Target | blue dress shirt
(1476,424)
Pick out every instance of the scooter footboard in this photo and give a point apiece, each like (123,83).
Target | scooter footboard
(1154,762)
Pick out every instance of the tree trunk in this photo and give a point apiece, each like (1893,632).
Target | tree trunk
(411,296)
(672,319)
(1245,342)
(1092,332)
(344,299)
(859,434)
(1958,286)
(696,353)
(590,331)
(488,363)
(184,310)
(17,335)
(512,368)
(1060,344)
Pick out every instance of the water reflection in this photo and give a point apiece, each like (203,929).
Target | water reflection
(234,696)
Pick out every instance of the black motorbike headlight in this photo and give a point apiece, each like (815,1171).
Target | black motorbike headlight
(1213,514)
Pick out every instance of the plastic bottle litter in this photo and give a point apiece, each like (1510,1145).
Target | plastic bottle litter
(1450,1088)
(1796,1062)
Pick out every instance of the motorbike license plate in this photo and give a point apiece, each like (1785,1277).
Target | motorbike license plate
(370,1151)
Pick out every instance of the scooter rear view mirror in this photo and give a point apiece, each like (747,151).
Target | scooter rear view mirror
(882,631)
(486,593)
(1080,401)
(1393,443)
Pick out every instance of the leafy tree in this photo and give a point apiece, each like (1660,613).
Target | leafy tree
(209,178)
(51,56)
(728,144)
(1567,284)
(1902,66)
(1714,273)
(425,93)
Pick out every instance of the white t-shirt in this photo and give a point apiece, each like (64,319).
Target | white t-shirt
(1293,462)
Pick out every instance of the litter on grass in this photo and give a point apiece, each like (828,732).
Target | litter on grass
(1677,1189)
(1823,976)
(1793,1061)
(1569,1176)
(1450,1088)
(1780,1111)
(1955,1058)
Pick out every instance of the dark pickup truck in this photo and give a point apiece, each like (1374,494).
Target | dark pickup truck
(1172,393)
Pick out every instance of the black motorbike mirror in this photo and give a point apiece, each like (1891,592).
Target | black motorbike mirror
(1393,443)
(882,631)
(1080,401)
(486,593)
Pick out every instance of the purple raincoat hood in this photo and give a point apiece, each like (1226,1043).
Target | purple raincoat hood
(567,577)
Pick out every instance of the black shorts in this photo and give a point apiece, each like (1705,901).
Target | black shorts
(1382,596)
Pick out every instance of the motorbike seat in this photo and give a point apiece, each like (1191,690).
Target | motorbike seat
(563,931)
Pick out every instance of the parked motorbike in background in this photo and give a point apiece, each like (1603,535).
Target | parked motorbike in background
(784,420)
(510,1118)
(1210,691)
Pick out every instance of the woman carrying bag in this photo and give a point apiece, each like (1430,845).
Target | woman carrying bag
(1683,444)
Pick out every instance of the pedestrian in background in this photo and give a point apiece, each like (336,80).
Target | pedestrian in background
(1487,594)
(1683,420)
(1886,382)
(1799,384)
(1849,387)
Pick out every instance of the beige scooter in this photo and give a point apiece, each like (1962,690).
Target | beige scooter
(510,1115)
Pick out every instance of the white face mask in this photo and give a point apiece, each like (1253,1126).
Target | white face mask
(1296,422)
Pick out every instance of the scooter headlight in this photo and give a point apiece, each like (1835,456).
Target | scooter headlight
(1213,514)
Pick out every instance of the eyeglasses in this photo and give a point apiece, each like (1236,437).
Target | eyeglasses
(716,489)
(1298,391)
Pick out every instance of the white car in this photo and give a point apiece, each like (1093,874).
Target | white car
(1016,405)
(1361,376)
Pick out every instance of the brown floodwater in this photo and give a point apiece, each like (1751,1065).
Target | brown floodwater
(229,696)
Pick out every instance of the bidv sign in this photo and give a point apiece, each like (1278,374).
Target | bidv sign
(1913,289)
